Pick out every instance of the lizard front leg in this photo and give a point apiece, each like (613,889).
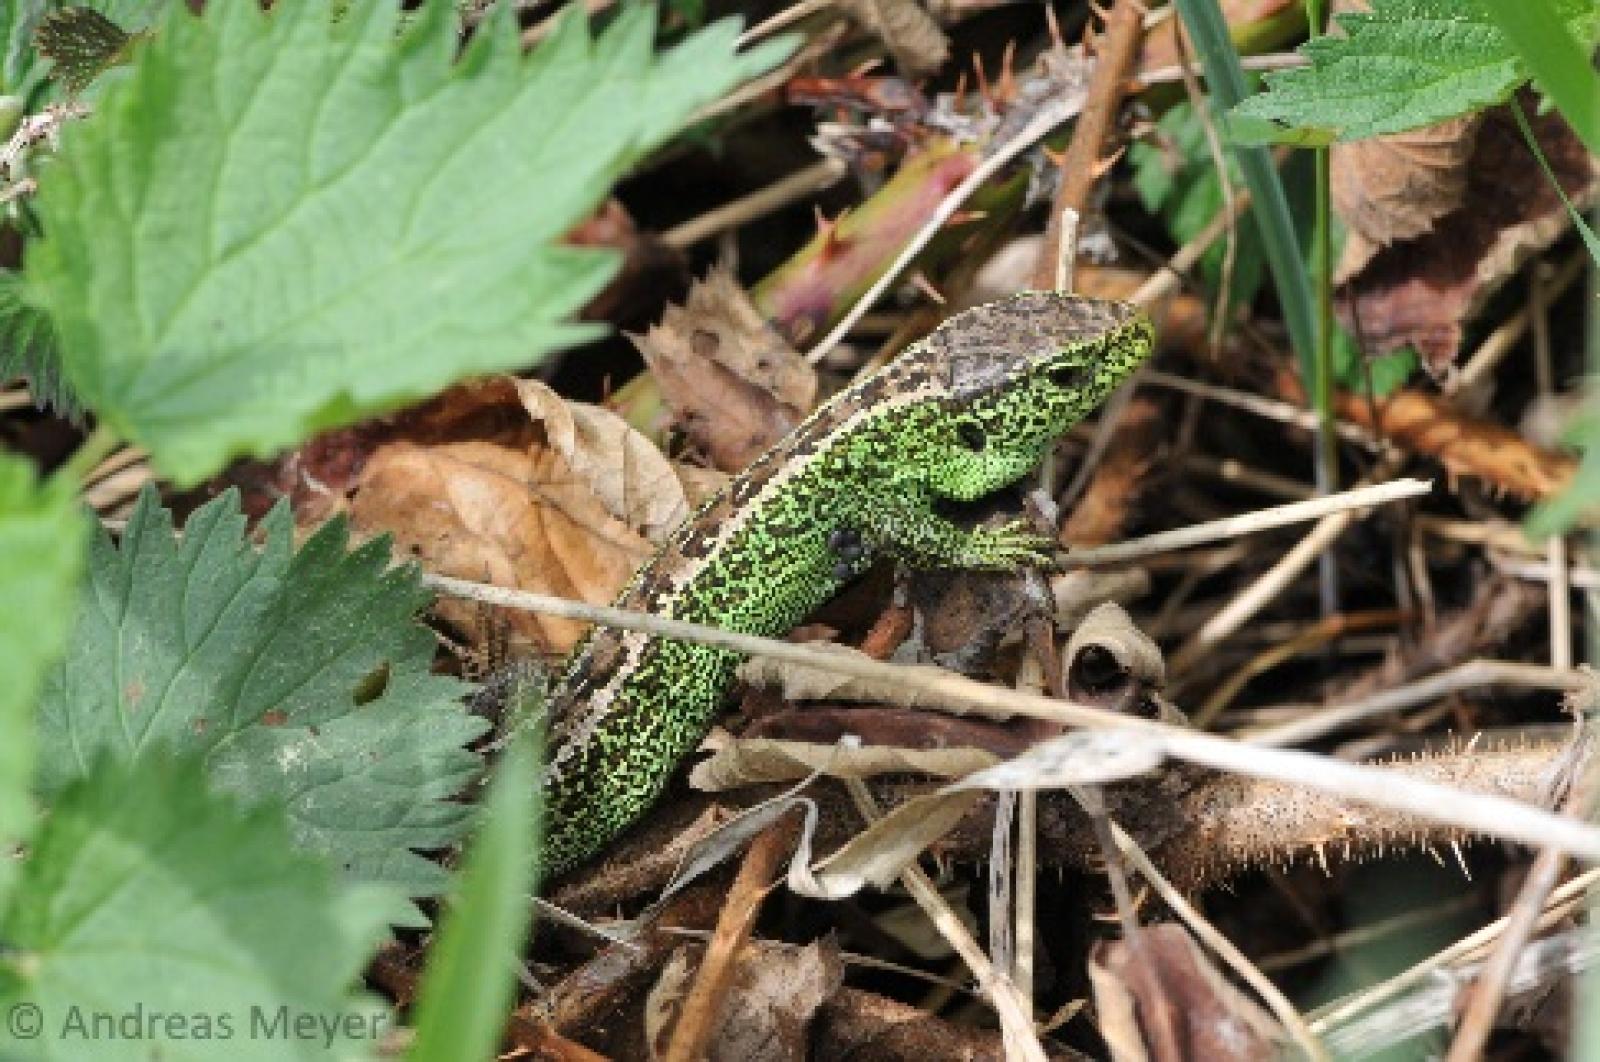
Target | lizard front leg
(908,529)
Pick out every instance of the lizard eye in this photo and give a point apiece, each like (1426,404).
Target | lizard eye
(971,436)
(1066,376)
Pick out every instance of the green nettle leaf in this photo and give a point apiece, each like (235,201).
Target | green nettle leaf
(28,349)
(1405,64)
(42,539)
(300,677)
(153,919)
(276,223)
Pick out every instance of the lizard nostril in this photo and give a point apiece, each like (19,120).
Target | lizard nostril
(1066,376)
(971,436)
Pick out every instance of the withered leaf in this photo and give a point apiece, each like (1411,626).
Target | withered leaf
(734,383)
(1395,187)
(481,511)
(1163,1000)
(915,40)
(1419,291)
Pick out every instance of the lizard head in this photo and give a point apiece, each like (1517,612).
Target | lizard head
(1009,377)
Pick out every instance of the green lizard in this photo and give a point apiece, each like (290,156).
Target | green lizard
(968,410)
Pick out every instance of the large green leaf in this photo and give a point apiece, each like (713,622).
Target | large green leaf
(276,223)
(155,920)
(301,677)
(42,539)
(1405,64)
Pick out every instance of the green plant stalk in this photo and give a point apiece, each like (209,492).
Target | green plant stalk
(1327,459)
(1208,30)
(1590,240)
(1559,64)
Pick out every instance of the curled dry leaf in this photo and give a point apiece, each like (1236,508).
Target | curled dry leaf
(1160,998)
(799,682)
(878,854)
(915,40)
(735,385)
(1110,663)
(1419,291)
(628,475)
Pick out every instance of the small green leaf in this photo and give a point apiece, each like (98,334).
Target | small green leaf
(262,662)
(276,223)
(153,919)
(1378,376)
(20,68)
(1187,193)
(82,42)
(471,974)
(1562,67)
(1580,502)
(1404,64)
(42,539)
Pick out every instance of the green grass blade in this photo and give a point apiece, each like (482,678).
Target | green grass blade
(1225,77)
(1559,64)
(1590,240)
(469,982)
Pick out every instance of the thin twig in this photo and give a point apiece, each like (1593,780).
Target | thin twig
(702,1006)
(1249,523)
(1221,945)
(1014,1012)
(1323,720)
(803,184)
(1273,582)
(1483,1004)
(1080,165)
(1560,906)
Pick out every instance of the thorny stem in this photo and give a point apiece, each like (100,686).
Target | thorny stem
(1474,812)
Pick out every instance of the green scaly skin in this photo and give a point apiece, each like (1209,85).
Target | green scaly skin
(972,408)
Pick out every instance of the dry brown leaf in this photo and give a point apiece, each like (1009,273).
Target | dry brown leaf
(1160,998)
(481,511)
(1395,187)
(766,1015)
(1420,291)
(915,40)
(1465,445)
(735,385)
(630,477)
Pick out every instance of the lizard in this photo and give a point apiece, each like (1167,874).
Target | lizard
(970,409)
